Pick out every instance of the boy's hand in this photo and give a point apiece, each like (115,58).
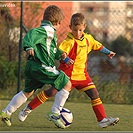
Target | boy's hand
(63,56)
(66,59)
(111,55)
(70,62)
(30,52)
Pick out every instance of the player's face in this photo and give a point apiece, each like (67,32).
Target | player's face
(78,30)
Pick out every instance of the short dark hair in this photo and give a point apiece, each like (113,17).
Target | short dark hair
(53,14)
(77,19)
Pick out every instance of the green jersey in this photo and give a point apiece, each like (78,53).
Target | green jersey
(40,69)
(43,41)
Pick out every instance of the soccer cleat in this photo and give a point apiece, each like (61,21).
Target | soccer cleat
(108,122)
(24,113)
(6,118)
(55,118)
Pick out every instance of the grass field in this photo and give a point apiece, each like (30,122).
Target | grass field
(84,118)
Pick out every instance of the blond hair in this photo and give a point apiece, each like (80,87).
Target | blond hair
(77,19)
(53,14)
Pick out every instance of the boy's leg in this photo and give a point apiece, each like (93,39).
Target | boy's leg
(99,110)
(38,100)
(14,104)
(63,85)
(59,102)
(60,99)
(96,102)
(58,79)
(54,114)
(42,97)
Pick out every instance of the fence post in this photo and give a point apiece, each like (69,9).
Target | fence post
(20,48)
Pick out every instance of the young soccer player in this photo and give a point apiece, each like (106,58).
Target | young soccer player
(77,46)
(40,44)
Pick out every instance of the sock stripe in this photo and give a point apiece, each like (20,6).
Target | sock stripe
(96,102)
(42,97)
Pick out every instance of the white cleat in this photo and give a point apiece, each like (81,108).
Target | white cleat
(24,113)
(108,122)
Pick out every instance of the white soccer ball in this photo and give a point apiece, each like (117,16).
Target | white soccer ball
(66,117)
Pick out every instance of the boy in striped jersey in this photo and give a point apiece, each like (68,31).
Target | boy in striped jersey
(77,46)
(41,46)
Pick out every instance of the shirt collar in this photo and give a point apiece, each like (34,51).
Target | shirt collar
(47,23)
(70,35)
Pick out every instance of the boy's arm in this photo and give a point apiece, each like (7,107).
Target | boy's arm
(61,55)
(29,50)
(28,43)
(109,53)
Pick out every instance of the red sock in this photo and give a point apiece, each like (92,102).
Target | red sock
(98,109)
(39,99)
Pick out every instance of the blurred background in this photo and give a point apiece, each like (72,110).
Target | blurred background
(111,23)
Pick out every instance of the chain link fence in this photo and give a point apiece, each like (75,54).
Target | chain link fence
(105,24)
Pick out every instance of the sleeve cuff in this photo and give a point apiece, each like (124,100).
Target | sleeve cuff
(105,51)
(66,60)
(28,49)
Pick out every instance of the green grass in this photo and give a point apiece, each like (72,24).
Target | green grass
(84,118)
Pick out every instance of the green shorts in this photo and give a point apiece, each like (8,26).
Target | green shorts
(37,75)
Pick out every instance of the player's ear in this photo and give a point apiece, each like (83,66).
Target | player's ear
(84,26)
(59,22)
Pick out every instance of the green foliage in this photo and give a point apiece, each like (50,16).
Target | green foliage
(35,7)
(77,96)
(7,73)
(122,46)
(113,92)
(106,44)
(110,92)
(8,47)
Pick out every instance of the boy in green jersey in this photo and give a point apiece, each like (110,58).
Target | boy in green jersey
(40,44)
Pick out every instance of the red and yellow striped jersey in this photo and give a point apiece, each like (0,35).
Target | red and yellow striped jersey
(78,51)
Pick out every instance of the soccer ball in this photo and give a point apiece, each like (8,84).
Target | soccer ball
(66,117)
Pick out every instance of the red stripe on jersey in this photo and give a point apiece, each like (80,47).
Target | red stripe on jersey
(72,55)
(101,48)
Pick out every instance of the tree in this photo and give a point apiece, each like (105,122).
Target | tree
(6,23)
(122,46)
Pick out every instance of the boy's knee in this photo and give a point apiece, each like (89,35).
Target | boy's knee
(68,86)
(50,92)
(92,93)
(28,94)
